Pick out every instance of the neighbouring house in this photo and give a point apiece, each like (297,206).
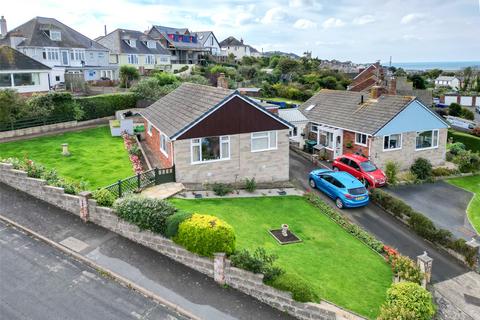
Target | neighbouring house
(368,77)
(299,122)
(238,48)
(184,46)
(22,73)
(383,128)
(130,47)
(71,56)
(448,81)
(208,40)
(213,134)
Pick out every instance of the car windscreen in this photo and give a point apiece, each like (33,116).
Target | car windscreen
(357,191)
(368,166)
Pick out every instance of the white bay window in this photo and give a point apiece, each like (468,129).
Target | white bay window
(426,140)
(262,141)
(210,149)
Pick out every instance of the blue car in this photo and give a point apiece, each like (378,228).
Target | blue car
(341,186)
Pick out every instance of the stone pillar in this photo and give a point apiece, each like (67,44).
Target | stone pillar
(219,264)
(84,210)
(475,245)
(65,151)
(424,262)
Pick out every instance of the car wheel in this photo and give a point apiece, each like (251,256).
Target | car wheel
(365,182)
(339,203)
(312,183)
(335,169)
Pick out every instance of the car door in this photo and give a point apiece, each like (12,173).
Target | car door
(343,164)
(327,185)
(354,169)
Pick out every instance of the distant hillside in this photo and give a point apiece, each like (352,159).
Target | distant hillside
(280,53)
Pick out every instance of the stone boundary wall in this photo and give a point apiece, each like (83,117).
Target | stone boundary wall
(242,280)
(51,128)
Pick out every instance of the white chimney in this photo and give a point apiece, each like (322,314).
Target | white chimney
(3,27)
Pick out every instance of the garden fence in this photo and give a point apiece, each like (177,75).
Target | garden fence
(32,122)
(140,181)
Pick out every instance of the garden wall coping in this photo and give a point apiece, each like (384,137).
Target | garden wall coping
(242,280)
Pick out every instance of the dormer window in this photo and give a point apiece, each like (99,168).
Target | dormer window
(151,44)
(131,43)
(55,35)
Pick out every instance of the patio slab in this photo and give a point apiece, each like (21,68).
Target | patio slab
(241,193)
(163,191)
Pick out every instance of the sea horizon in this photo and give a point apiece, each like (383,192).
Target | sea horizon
(443,65)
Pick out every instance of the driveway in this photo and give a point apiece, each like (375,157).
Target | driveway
(383,226)
(40,282)
(442,202)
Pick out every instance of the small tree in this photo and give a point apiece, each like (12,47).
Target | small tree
(455,109)
(391,172)
(422,168)
(127,75)
(11,105)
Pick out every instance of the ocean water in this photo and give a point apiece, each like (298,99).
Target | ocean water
(443,65)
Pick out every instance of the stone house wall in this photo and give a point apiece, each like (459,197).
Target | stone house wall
(242,280)
(407,154)
(264,166)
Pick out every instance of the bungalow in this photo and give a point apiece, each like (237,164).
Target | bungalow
(213,134)
(388,127)
(448,81)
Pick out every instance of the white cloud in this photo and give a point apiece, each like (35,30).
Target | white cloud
(304,24)
(366,19)
(274,15)
(333,23)
(304,3)
(410,17)
(411,37)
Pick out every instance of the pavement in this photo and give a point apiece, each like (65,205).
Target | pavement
(179,285)
(443,203)
(40,282)
(383,226)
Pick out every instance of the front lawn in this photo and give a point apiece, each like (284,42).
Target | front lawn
(96,156)
(472,184)
(340,268)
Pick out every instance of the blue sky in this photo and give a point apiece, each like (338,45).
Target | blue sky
(357,30)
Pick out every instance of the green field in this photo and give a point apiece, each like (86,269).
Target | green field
(472,184)
(96,156)
(340,268)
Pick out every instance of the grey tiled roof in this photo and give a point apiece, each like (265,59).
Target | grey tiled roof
(179,44)
(231,41)
(115,41)
(34,33)
(342,109)
(11,59)
(292,115)
(184,105)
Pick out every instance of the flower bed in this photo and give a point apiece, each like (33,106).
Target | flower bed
(133,151)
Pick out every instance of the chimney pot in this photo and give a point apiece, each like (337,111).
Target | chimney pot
(222,82)
(3,27)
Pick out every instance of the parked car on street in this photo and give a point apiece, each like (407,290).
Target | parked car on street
(342,187)
(362,169)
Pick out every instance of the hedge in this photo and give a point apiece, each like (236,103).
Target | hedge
(205,235)
(105,105)
(173,222)
(301,290)
(471,142)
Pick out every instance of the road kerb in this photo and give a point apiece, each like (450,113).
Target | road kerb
(126,282)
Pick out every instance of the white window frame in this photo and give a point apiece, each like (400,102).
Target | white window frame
(149,128)
(131,42)
(132,58)
(266,134)
(361,135)
(198,142)
(149,59)
(58,36)
(383,142)
(151,44)
(433,140)
(52,54)
(164,144)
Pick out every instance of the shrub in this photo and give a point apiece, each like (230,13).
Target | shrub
(396,206)
(425,228)
(174,221)
(221,189)
(391,172)
(470,141)
(70,186)
(127,74)
(456,148)
(467,114)
(422,168)
(165,78)
(104,197)
(205,235)
(407,177)
(301,290)
(135,150)
(258,262)
(409,298)
(443,172)
(467,161)
(105,105)
(406,269)
(250,185)
(454,109)
(150,89)
(146,213)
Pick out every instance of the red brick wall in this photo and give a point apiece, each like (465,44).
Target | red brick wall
(153,142)
(349,136)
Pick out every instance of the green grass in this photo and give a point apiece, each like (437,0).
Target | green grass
(472,184)
(340,268)
(471,142)
(96,156)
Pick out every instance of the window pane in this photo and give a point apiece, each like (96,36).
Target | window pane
(23,79)
(259,134)
(435,138)
(210,148)
(225,150)
(196,153)
(385,142)
(424,140)
(259,143)
(5,80)
(273,139)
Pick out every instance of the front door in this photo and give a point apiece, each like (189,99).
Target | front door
(64,55)
(338,148)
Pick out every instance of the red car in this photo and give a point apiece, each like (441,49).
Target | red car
(361,168)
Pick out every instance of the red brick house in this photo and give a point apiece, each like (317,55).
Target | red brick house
(217,135)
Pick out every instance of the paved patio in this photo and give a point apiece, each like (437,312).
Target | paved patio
(241,193)
(163,191)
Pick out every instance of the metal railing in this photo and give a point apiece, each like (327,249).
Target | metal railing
(32,122)
(136,183)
